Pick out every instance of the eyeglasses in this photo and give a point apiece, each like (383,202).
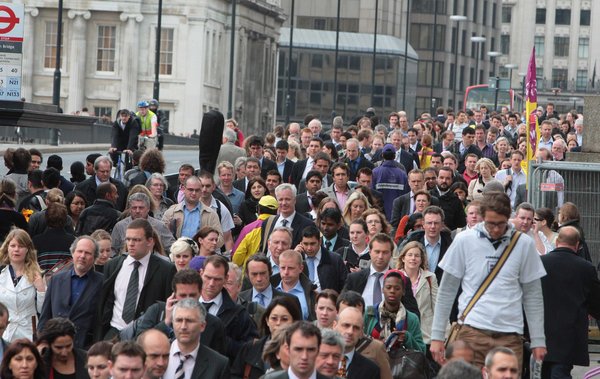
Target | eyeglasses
(495,225)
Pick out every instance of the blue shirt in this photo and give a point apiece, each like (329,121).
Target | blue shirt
(78,284)
(433,253)
(267,293)
(236,197)
(191,221)
(298,291)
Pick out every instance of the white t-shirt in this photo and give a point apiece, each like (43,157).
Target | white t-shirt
(471,257)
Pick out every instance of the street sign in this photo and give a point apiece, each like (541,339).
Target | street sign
(12,17)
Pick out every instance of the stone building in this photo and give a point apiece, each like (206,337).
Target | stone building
(108,57)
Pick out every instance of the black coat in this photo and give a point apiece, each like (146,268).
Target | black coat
(127,138)
(210,364)
(267,165)
(297,171)
(298,224)
(453,208)
(88,188)
(571,290)
(157,286)
(357,281)
(251,355)
(101,215)
(239,327)
(361,368)
(331,271)
(419,236)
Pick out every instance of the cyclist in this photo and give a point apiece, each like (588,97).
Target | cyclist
(148,126)
(163,122)
(125,131)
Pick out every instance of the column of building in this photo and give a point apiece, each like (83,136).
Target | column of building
(77,59)
(129,67)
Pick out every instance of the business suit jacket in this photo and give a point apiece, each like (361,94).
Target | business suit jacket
(419,236)
(375,350)
(302,205)
(571,290)
(210,364)
(82,313)
(256,310)
(239,327)
(361,367)
(287,170)
(157,286)
(331,193)
(88,187)
(240,184)
(364,162)
(455,149)
(309,292)
(331,271)
(298,224)
(297,171)
(400,208)
(357,281)
(213,335)
(230,153)
(283,374)
(267,165)
(327,181)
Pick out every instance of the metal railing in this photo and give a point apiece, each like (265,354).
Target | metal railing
(551,184)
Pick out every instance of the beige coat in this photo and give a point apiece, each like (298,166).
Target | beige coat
(426,296)
(173,219)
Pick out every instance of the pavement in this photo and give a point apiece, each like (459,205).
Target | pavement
(77,147)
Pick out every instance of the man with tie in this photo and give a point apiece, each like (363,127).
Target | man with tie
(405,204)
(189,358)
(133,282)
(330,223)
(302,167)
(239,327)
(325,269)
(353,365)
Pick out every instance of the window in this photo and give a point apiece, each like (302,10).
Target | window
(50,44)
(485,13)
(319,23)
(584,47)
(581,81)
(506,14)
(466,7)
(166,51)
(472,75)
(429,6)
(475,11)
(454,35)
(540,16)
(105,59)
(463,50)
(561,46)
(425,75)
(455,7)
(101,111)
(494,13)
(584,17)
(505,44)
(559,78)
(452,78)
(461,78)
(316,61)
(421,36)
(539,46)
(562,17)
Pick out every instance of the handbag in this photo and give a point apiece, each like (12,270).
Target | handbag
(455,330)
(406,363)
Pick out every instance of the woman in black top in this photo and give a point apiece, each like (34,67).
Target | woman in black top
(63,360)
(8,212)
(256,189)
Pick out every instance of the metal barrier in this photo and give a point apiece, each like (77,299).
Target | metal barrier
(553,183)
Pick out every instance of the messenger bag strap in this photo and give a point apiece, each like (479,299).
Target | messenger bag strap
(492,274)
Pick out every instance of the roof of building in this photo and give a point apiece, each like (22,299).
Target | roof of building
(355,42)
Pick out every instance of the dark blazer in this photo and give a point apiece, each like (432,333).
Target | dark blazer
(454,210)
(256,310)
(251,354)
(309,292)
(339,243)
(297,171)
(328,182)
(240,184)
(361,367)
(126,138)
(267,165)
(210,364)
(239,327)
(213,335)
(247,295)
(331,271)
(298,224)
(419,236)
(571,290)
(400,208)
(407,159)
(455,149)
(83,313)
(364,162)
(357,281)
(302,204)
(521,194)
(88,187)
(283,374)
(287,170)
(157,286)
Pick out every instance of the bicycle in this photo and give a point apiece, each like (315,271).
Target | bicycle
(120,165)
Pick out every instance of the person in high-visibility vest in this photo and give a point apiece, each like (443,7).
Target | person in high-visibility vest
(149,126)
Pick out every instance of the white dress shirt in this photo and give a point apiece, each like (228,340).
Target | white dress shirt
(280,219)
(174,360)
(120,288)
(217,302)
(309,165)
(368,291)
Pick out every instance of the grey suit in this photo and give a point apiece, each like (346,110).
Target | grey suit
(229,152)
(331,193)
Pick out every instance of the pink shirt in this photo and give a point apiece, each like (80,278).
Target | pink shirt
(342,197)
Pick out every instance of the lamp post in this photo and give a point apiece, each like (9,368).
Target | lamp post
(231,60)
(457,19)
(523,76)
(493,55)
(335,66)
(374,53)
(478,40)
(435,14)
(510,67)
(156,87)
(57,75)
(405,55)
(288,97)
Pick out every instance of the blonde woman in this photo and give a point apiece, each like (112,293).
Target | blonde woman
(487,171)
(502,148)
(413,262)
(22,288)
(355,206)
(182,252)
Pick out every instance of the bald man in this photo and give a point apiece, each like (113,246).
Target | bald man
(571,290)
(156,345)
(350,326)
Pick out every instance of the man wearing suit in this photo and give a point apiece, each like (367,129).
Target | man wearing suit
(467,146)
(189,358)
(156,346)
(405,204)
(405,158)
(321,164)
(302,167)
(304,201)
(354,159)
(284,165)
(413,139)
(103,167)
(302,344)
(571,291)
(177,194)
(288,217)
(353,365)
(229,151)
(73,293)
(133,282)
(369,281)
(446,143)
(186,284)
(325,269)
(291,280)
(331,222)
(239,327)
(252,170)
(339,190)
(259,272)
(256,145)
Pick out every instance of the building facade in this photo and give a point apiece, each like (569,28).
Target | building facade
(564,36)
(108,58)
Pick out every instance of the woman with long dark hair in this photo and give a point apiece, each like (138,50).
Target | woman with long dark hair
(63,360)
(22,361)
(256,189)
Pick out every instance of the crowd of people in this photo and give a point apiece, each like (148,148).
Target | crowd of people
(306,254)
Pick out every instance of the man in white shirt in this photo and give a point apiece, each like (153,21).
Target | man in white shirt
(546,135)
(279,241)
(207,187)
(513,177)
